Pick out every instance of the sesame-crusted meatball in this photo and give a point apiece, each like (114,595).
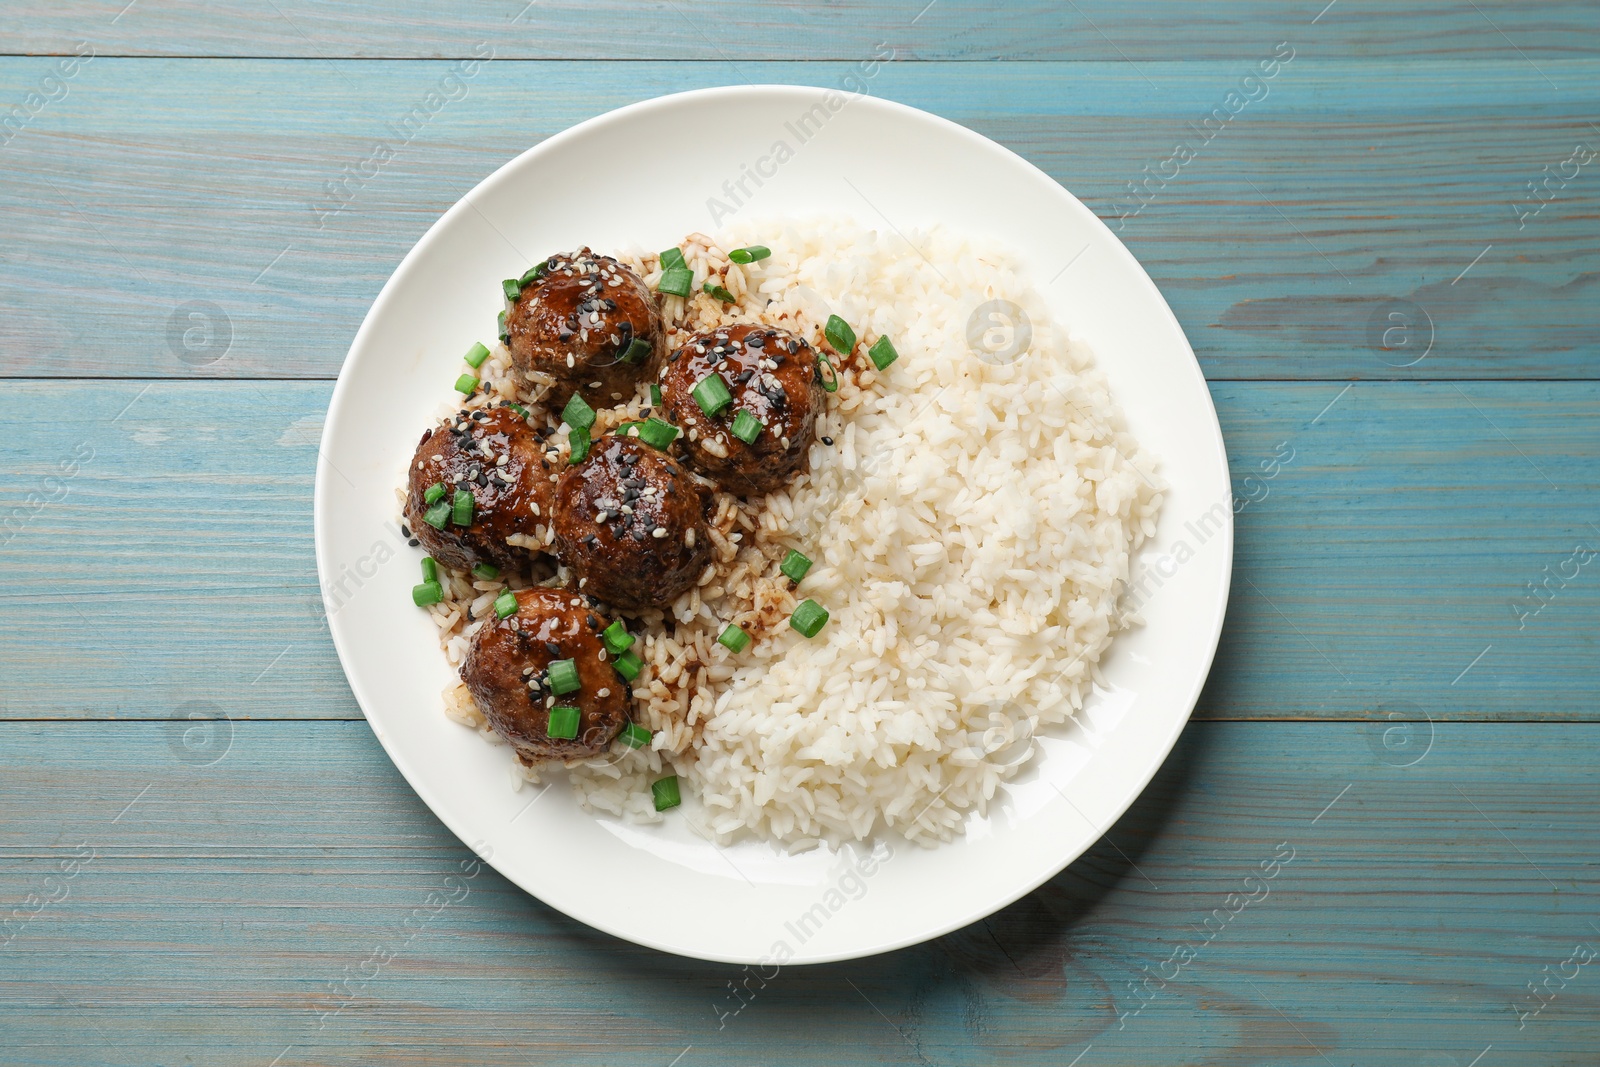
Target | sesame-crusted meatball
(507,671)
(631,524)
(773,376)
(578,320)
(496,456)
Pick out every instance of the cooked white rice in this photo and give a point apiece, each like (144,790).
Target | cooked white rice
(972,527)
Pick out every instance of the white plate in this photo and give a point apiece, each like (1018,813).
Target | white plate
(641,177)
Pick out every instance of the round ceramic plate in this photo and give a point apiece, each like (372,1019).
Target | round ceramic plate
(644,176)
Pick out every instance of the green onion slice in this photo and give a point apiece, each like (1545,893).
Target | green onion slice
(665,792)
(830,380)
(512,287)
(535,272)
(839,335)
(438,516)
(433,493)
(628,429)
(672,259)
(505,604)
(719,292)
(581,443)
(578,414)
(809,618)
(628,665)
(733,638)
(429,592)
(634,736)
(461,508)
(656,433)
(637,349)
(430,569)
(655,394)
(487,572)
(678,281)
(564,677)
(563,722)
(505,334)
(746,427)
(476,355)
(750,254)
(519,409)
(467,384)
(882,353)
(617,638)
(712,393)
(794,566)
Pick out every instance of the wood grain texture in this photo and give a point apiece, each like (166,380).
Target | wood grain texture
(154,184)
(228,910)
(1395,544)
(721,31)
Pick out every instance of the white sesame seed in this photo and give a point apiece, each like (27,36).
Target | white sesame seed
(603,693)
(500,461)
(601,516)
(661,531)
(572,360)
(626,510)
(688,538)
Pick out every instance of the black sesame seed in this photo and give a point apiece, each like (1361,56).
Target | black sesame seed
(405,531)
(644,413)
(413,542)
(555,649)
(594,623)
(755,340)
(828,441)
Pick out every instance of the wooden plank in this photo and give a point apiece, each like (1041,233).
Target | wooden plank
(722,31)
(1394,545)
(157,187)
(227,915)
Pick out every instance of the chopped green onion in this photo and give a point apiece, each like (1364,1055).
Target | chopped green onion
(672,258)
(750,254)
(535,272)
(882,353)
(430,569)
(505,604)
(808,618)
(678,281)
(476,355)
(519,409)
(634,736)
(433,493)
(505,334)
(429,592)
(712,393)
(733,638)
(487,572)
(839,335)
(637,349)
(656,433)
(617,638)
(461,508)
(794,566)
(746,427)
(578,414)
(628,429)
(581,443)
(830,381)
(655,394)
(628,665)
(563,722)
(512,287)
(564,677)
(666,793)
(719,292)
(437,516)
(466,384)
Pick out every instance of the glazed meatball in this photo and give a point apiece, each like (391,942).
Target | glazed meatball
(508,672)
(496,456)
(578,321)
(631,524)
(772,375)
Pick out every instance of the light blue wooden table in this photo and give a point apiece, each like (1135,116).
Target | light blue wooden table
(1387,258)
